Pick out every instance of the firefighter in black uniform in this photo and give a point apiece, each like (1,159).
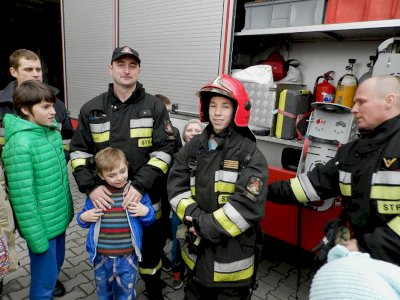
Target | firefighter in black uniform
(128,118)
(364,172)
(218,186)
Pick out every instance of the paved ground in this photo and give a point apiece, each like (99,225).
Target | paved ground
(277,274)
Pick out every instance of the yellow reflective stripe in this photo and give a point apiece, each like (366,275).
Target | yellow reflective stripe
(394,224)
(157,208)
(175,200)
(145,142)
(78,162)
(190,263)
(101,137)
(183,204)
(385,192)
(224,187)
(66,147)
(141,132)
(1,140)
(193,190)
(234,276)
(158,163)
(298,190)
(388,207)
(149,271)
(345,189)
(226,223)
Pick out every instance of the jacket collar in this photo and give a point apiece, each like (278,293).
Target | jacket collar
(136,94)
(383,131)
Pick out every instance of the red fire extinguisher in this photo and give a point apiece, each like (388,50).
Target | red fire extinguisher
(324,91)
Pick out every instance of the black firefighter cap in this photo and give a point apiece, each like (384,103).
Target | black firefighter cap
(125,50)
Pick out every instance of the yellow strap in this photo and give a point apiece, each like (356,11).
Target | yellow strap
(78,162)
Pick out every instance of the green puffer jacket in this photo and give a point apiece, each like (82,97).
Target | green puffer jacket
(37,178)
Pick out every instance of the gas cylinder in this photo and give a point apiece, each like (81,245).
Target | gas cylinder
(324,91)
(370,66)
(346,87)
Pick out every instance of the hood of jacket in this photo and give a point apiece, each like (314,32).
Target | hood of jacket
(14,124)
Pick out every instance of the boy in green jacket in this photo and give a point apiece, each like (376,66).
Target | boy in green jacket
(37,178)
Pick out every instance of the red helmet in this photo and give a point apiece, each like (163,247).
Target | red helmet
(228,87)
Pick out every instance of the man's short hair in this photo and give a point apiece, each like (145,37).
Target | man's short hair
(164,99)
(108,159)
(29,93)
(21,53)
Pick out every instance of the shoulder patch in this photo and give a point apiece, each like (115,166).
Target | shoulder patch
(390,163)
(254,185)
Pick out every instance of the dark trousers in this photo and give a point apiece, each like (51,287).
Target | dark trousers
(197,291)
(150,266)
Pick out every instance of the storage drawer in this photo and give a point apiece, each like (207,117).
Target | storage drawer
(283,13)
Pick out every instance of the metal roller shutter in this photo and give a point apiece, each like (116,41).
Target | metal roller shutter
(88,34)
(178,42)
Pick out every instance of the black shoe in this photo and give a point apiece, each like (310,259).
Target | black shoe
(59,290)
(166,264)
(1,287)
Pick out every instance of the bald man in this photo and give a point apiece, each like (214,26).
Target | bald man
(364,172)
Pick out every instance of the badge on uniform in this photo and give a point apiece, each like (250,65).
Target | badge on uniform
(391,163)
(254,185)
(168,127)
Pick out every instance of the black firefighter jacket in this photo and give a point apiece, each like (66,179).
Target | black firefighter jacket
(140,127)
(366,173)
(224,190)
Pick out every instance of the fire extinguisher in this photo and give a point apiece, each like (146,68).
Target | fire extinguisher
(324,91)
(346,87)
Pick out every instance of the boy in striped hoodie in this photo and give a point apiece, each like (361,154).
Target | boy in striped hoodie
(115,235)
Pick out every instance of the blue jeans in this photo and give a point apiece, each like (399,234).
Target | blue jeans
(115,277)
(45,268)
(175,254)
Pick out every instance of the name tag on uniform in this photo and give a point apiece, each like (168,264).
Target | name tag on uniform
(145,142)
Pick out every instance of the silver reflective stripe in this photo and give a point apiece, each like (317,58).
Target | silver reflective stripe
(175,201)
(59,125)
(226,176)
(80,154)
(386,177)
(139,123)
(192,181)
(99,128)
(308,187)
(157,206)
(161,155)
(235,217)
(345,177)
(66,142)
(1,131)
(234,266)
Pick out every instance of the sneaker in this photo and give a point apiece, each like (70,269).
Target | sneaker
(59,289)
(166,264)
(177,282)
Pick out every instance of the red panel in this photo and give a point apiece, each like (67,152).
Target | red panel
(342,11)
(280,221)
(74,123)
(381,9)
